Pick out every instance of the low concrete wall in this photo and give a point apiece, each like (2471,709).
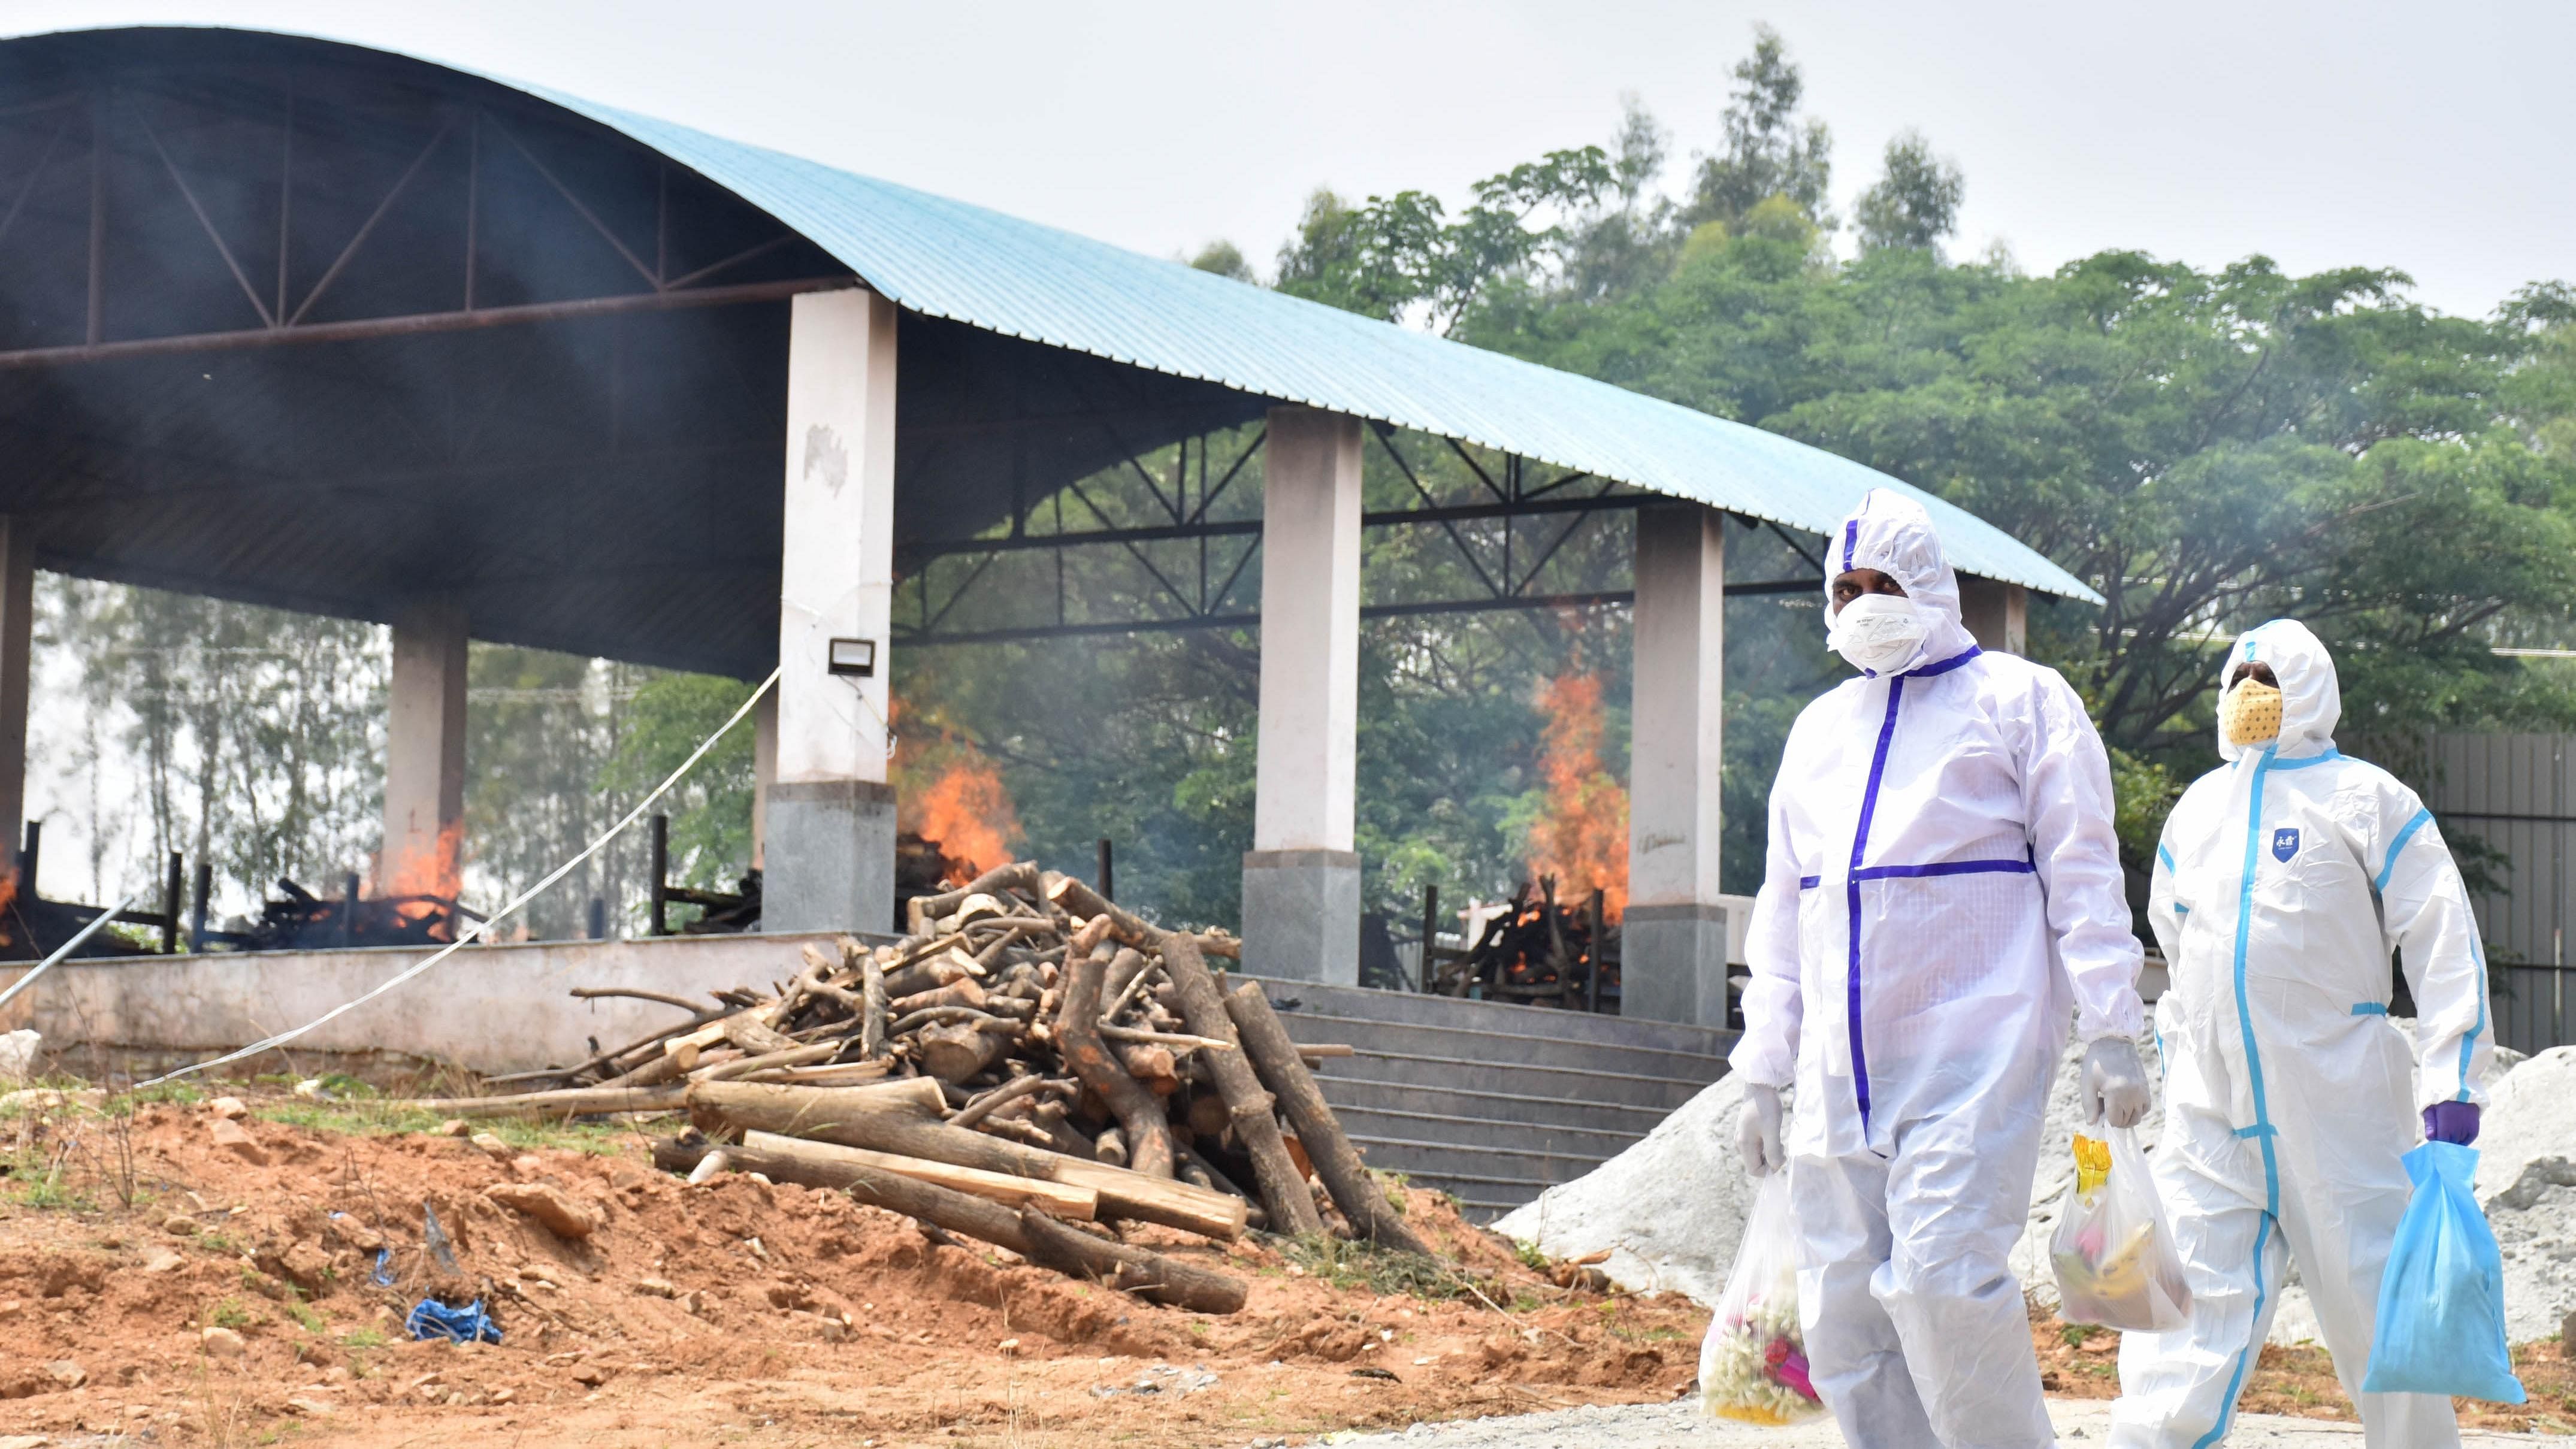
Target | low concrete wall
(492,1009)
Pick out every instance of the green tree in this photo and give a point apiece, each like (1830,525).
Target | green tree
(1768,150)
(1915,202)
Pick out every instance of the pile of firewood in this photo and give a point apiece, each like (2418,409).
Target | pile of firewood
(1030,1055)
(1541,951)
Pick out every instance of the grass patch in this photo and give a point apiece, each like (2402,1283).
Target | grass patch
(373,1117)
(1383,1271)
(305,1317)
(231,1314)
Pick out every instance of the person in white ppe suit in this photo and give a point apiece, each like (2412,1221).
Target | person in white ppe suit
(1942,895)
(2284,880)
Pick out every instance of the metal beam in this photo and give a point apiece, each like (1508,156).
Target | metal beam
(421,323)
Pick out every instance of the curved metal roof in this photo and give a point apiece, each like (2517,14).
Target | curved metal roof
(952,260)
(967,265)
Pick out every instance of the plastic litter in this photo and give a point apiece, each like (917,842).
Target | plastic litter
(1753,1364)
(470,1324)
(384,1274)
(436,1237)
(2441,1300)
(2113,1250)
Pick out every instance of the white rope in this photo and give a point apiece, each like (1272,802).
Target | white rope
(484,927)
(66,948)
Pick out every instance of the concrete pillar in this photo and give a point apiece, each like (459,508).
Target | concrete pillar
(425,754)
(1997,614)
(17,640)
(831,811)
(1672,942)
(764,770)
(1301,880)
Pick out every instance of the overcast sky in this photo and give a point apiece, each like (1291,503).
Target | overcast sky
(2431,138)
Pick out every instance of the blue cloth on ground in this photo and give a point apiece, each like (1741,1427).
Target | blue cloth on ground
(2441,1301)
(433,1319)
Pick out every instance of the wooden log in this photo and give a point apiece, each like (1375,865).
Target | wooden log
(569,1102)
(1151,1065)
(902,1117)
(792,1057)
(837,1074)
(1248,1106)
(756,1037)
(873,1010)
(1360,1196)
(964,991)
(1078,898)
(1064,1200)
(922,976)
(1077,1038)
(1010,1091)
(1180,1041)
(597,993)
(1021,876)
(953,1051)
(1110,1146)
(1154,1277)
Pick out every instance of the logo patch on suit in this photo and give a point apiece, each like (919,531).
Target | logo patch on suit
(2285,843)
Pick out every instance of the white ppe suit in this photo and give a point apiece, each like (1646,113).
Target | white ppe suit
(1942,893)
(2284,879)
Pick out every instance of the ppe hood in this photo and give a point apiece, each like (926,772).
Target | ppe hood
(2311,701)
(1891,533)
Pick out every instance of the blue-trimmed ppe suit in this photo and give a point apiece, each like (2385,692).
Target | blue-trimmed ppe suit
(1942,895)
(2284,880)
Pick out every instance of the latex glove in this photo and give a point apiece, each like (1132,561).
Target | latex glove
(2115,1082)
(1757,1130)
(2451,1122)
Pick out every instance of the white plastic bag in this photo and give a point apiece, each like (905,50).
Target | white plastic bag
(2113,1249)
(1753,1364)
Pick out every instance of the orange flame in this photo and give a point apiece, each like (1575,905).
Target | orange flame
(1581,833)
(436,869)
(968,814)
(8,898)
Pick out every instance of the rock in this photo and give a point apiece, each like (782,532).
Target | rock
(454,1127)
(656,1288)
(311,1090)
(67,1373)
(24,1441)
(228,1108)
(305,1265)
(502,1395)
(562,1214)
(590,1375)
(311,1406)
(18,1055)
(230,1136)
(179,1225)
(493,1147)
(162,1260)
(222,1343)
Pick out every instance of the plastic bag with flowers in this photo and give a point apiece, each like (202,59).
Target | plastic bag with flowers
(1753,1364)
(2113,1250)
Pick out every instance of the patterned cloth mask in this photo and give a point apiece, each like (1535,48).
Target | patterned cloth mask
(2250,713)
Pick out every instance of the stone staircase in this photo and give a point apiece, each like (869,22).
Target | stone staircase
(1490,1102)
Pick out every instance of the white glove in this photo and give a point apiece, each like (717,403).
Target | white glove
(2115,1082)
(1757,1130)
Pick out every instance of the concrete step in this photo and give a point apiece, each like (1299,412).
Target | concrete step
(1494,1016)
(1506,1078)
(1506,1135)
(1349,1093)
(1480,1044)
(1450,1159)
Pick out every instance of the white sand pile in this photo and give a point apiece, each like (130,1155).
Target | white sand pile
(1671,1208)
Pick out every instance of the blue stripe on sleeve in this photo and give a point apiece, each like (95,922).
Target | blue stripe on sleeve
(2422,817)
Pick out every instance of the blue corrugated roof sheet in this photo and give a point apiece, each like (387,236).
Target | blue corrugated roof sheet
(948,259)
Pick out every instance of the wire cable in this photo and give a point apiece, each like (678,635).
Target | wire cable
(482,928)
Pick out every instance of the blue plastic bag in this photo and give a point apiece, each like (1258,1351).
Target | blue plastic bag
(433,1319)
(2441,1301)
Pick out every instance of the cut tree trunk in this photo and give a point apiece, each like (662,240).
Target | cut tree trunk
(1027,1232)
(1283,1188)
(1346,1177)
(1065,1200)
(1077,1036)
(903,1118)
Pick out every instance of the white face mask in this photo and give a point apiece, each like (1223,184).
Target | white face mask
(1877,632)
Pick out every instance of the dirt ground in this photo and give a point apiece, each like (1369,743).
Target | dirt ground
(155,1282)
(2084,1363)
(158,1285)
